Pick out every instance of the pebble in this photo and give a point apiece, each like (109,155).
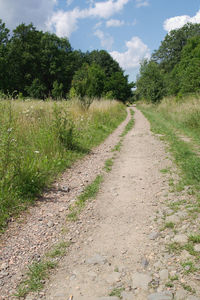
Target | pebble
(197,248)
(174,219)
(164,274)
(97,259)
(50,224)
(141,280)
(181,294)
(144,262)
(127,296)
(160,296)
(181,239)
(154,235)
(113,277)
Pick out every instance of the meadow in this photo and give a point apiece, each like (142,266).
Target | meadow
(40,139)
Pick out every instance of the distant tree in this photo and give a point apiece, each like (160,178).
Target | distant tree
(4,40)
(89,81)
(37,89)
(150,83)
(57,91)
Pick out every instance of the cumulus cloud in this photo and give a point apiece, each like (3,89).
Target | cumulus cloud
(65,22)
(136,51)
(105,39)
(142,3)
(37,11)
(180,21)
(114,23)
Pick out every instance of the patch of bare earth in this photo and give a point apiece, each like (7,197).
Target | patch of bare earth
(28,238)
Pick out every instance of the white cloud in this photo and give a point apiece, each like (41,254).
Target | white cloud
(180,21)
(142,3)
(65,22)
(14,12)
(136,51)
(114,23)
(105,39)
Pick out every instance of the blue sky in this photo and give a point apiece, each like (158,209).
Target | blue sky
(128,29)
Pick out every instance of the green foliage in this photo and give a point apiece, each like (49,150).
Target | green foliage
(150,83)
(36,275)
(174,68)
(38,140)
(40,65)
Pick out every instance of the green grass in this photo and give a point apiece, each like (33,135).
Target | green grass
(35,278)
(185,158)
(188,267)
(130,124)
(117,292)
(195,238)
(58,250)
(39,140)
(90,192)
(169,225)
(108,164)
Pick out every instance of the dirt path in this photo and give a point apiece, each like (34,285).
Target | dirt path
(129,243)
(115,249)
(30,237)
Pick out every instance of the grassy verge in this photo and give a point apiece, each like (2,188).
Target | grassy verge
(188,161)
(90,192)
(39,140)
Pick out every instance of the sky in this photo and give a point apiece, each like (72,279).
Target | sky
(130,30)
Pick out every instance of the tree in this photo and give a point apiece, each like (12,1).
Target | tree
(169,52)
(150,83)
(4,40)
(89,81)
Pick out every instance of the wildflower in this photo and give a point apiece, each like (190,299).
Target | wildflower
(36,151)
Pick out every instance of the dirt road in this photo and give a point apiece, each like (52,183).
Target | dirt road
(113,255)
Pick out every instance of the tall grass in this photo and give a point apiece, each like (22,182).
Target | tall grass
(171,118)
(38,140)
(184,113)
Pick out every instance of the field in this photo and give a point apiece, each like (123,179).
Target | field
(39,140)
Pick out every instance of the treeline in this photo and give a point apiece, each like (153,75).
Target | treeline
(39,64)
(174,69)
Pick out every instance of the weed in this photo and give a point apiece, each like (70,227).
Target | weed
(169,225)
(108,165)
(117,292)
(174,247)
(169,284)
(174,278)
(90,192)
(194,238)
(58,250)
(188,288)
(164,171)
(189,267)
(35,278)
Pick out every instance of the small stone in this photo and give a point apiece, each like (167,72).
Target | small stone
(97,259)
(185,255)
(181,294)
(181,239)
(160,296)
(65,189)
(141,280)
(154,235)
(4,266)
(192,298)
(113,277)
(108,298)
(50,224)
(197,248)
(172,219)
(127,296)
(144,262)
(164,274)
